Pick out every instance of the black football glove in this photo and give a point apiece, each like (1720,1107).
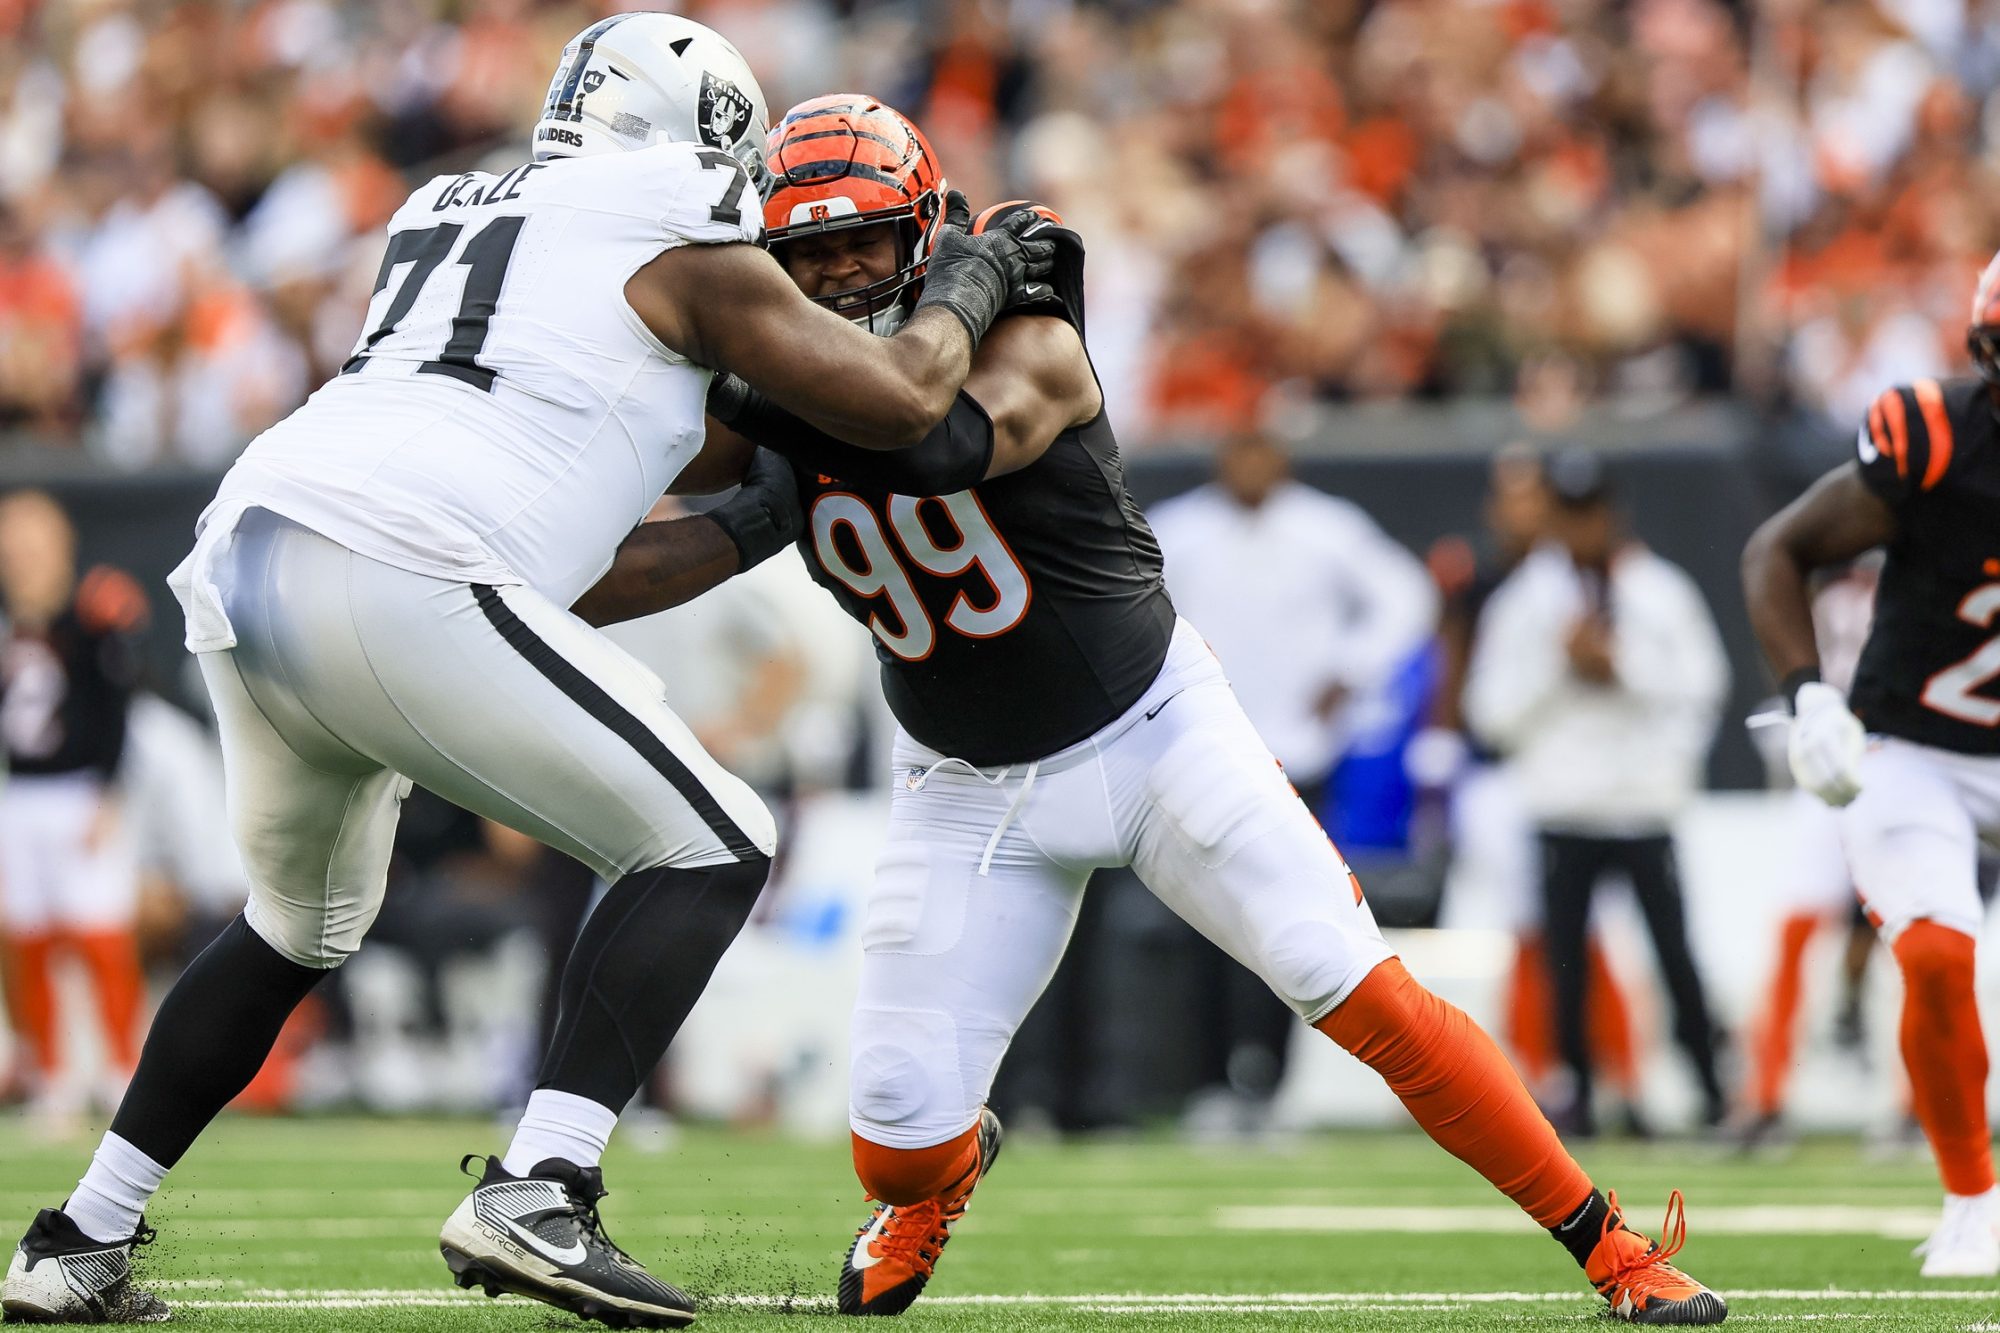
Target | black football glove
(977,277)
(763,517)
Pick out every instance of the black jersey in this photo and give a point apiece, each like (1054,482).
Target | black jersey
(64,691)
(1012,619)
(1932,451)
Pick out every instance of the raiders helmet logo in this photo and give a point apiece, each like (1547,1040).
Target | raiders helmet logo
(593,79)
(722,112)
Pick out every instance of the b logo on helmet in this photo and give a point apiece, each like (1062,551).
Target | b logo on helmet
(820,212)
(722,112)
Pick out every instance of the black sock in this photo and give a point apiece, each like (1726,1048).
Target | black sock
(209,1039)
(641,962)
(1580,1231)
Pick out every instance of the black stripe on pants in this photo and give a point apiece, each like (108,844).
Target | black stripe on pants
(1572,866)
(592,698)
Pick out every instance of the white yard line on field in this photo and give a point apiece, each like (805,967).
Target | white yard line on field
(1752,1220)
(373,1297)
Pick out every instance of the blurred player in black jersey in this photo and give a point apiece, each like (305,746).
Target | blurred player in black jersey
(67,878)
(1055,717)
(1912,755)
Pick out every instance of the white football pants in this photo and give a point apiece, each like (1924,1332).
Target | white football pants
(1912,835)
(52,874)
(979,883)
(351,679)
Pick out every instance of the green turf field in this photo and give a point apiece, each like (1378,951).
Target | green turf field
(332,1224)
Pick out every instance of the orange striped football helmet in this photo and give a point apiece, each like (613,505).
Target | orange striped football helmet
(1983,338)
(846,160)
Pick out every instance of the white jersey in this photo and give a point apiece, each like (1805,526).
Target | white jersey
(506,418)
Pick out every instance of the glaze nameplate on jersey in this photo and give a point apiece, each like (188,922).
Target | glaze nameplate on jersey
(499,192)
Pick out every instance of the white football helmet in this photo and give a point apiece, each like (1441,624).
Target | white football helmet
(633,80)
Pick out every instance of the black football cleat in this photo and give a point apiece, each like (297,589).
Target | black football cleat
(539,1236)
(61,1276)
(897,1249)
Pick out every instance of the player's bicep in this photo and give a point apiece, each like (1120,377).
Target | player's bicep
(730,307)
(1839,517)
(1033,380)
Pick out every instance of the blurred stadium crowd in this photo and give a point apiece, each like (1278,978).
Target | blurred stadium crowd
(1560,199)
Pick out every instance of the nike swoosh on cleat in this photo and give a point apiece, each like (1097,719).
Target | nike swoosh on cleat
(861,1258)
(566,1255)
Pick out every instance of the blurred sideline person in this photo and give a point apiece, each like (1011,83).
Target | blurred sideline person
(1056,716)
(1911,756)
(68,883)
(1311,608)
(377,597)
(1599,672)
(1494,857)
(1817,889)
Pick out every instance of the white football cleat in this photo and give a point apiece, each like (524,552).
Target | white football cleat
(539,1236)
(1967,1240)
(61,1276)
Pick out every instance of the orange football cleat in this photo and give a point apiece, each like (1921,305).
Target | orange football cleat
(897,1249)
(1632,1273)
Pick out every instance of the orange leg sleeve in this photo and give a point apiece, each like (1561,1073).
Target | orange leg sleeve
(1531,1021)
(112,959)
(1460,1088)
(1945,1052)
(901,1177)
(1614,1047)
(1772,1042)
(31,997)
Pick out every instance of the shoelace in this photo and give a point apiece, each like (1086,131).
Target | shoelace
(1648,1273)
(582,1205)
(145,1235)
(915,1235)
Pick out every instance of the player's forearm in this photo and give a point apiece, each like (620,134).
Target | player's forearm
(896,402)
(1775,588)
(660,566)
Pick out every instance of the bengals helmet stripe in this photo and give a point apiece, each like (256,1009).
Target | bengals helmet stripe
(845,161)
(808,173)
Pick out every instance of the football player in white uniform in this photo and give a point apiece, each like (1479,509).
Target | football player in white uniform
(378,596)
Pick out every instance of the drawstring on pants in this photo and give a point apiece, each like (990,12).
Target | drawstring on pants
(1014,807)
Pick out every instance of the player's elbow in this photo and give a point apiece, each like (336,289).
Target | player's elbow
(905,416)
(1766,555)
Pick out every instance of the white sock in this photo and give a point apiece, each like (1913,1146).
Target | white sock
(114,1192)
(559,1124)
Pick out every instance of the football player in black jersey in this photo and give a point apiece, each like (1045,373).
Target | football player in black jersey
(68,881)
(1055,717)
(1912,755)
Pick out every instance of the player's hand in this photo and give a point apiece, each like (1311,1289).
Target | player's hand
(1827,743)
(764,516)
(977,277)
